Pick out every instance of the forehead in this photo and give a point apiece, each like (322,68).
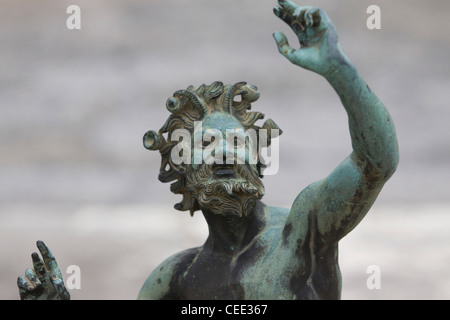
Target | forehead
(221,121)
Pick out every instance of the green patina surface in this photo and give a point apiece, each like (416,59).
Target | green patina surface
(255,251)
(277,253)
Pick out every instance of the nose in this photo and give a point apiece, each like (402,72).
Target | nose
(234,151)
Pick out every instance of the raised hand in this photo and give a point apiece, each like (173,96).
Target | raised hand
(319,45)
(44,281)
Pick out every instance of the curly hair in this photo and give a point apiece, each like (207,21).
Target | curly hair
(190,105)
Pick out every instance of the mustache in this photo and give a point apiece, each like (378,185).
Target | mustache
(230,188)
(236,195)
(242,171)
(244,180)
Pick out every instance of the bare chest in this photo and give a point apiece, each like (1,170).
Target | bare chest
(262,271)
(265,270)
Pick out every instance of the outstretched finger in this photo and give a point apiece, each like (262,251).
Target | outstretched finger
(288,6)
(283,45)
(38,265)
(49,259)
(283,15)
(295,24)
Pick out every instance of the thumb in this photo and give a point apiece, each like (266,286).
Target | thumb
(61,292)
(283,45)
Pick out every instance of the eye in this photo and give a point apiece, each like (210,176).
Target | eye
(206,143)
(238,142)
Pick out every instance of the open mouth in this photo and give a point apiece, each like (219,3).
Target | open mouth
(224,171)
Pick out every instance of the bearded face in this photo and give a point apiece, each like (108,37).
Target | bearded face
(222,189)
(225,189)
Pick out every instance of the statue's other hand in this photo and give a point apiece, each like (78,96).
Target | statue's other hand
(319,47)
(44,281)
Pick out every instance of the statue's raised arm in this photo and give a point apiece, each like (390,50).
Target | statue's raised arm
(253,250)
(335,205)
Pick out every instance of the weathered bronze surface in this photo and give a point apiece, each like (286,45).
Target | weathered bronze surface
(255,251)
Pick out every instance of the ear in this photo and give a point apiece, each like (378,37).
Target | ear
(273,130)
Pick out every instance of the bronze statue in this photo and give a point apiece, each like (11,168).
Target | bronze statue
(255,251)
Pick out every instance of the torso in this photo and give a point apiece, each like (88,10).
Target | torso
(272,266)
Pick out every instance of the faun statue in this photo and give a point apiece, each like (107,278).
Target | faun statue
(253,250)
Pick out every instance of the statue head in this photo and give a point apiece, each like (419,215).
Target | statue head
(216,165)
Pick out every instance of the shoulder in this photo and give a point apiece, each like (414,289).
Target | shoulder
(160,284)
(305,203)
(275,216)
(301,208)
(301,215)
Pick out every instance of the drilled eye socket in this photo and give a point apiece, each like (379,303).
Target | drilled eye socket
(238,142)
(206,143)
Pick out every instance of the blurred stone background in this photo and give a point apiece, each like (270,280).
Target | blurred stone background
(75,104)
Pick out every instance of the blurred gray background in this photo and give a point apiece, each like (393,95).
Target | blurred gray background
(76,103)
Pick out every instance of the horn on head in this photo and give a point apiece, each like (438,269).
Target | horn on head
(196,101)
(153,140)
(231,92)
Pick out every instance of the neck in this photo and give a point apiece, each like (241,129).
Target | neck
(230,234)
